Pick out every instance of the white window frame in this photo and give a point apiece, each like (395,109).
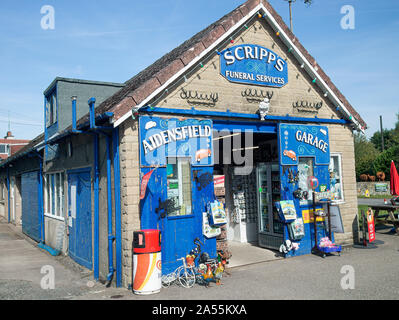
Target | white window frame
(341,182)
(49,211)
(179,162)
(7,148)
(51,109)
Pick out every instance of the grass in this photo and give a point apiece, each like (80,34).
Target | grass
(382,214)
(377,196)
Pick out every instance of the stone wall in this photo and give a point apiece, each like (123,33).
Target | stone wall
(370,186)
(130,194)
(341,142)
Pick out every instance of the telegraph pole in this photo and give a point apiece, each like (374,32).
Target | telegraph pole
(290,3)
(382,135)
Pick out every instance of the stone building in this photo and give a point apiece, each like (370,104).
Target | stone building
(242,100)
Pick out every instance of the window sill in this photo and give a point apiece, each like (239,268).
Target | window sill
(48,215)
(337,202)
(180,217)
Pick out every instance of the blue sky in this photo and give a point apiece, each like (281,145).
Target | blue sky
(113,40)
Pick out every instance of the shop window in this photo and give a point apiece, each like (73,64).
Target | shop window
(336,177)
(54,195)
(5,149)
(306,170)
(51,110)
(178,173)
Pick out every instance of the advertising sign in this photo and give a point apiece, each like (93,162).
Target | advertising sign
(286,210)
(161,138)
(336,219)
(371,225)
(253,64)
(144,183)
(304,141)
(381,187)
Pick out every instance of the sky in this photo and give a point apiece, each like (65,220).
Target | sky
(114,40)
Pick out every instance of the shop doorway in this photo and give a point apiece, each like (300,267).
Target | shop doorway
(79,217)
(250,194)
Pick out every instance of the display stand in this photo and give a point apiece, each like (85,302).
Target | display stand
(317,249)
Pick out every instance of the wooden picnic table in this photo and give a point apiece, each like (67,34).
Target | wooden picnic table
(391,214)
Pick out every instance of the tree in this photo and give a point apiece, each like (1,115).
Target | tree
(391,137)
(307,2)
(365,155)
(388,139)
(383,161)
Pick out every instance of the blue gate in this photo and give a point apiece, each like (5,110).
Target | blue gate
(31,215)
(79,217)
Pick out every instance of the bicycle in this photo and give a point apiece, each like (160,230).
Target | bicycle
(184,274)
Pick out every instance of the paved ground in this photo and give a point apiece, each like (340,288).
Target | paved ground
(21,264)
(306,277)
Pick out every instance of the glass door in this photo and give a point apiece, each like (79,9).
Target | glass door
(268,190)
(278,227)
(263,191)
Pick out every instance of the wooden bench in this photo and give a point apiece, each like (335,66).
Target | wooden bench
(390,219)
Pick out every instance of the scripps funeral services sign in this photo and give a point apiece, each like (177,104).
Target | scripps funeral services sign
(253,64)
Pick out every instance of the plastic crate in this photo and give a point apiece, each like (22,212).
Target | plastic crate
(330,249)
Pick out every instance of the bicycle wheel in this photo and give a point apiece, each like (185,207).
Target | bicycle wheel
(167,280)
(186,277)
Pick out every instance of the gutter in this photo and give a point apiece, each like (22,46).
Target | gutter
(228,114)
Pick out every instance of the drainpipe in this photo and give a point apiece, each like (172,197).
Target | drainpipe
(74,128)
(92,102)
(117,199)
(96,207)
(74,113)
(111,237)
(41,199)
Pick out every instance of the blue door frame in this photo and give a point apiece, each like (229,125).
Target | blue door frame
(80,232)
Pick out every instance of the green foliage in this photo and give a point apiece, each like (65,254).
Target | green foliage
(365,154)
(383,161)
(368,156)
(388,140)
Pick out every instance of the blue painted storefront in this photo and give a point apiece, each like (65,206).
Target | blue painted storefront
(288,141)
(179,232)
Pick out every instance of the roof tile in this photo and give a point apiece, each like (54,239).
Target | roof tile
(145,90)
(171,69)
(213,35)
(191,53)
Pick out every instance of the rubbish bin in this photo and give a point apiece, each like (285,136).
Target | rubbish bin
(147,269)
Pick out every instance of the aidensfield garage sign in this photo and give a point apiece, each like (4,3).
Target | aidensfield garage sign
(253,64)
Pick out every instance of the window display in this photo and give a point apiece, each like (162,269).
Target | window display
(336,177)
(179,187)
(268,184)
(305,170)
